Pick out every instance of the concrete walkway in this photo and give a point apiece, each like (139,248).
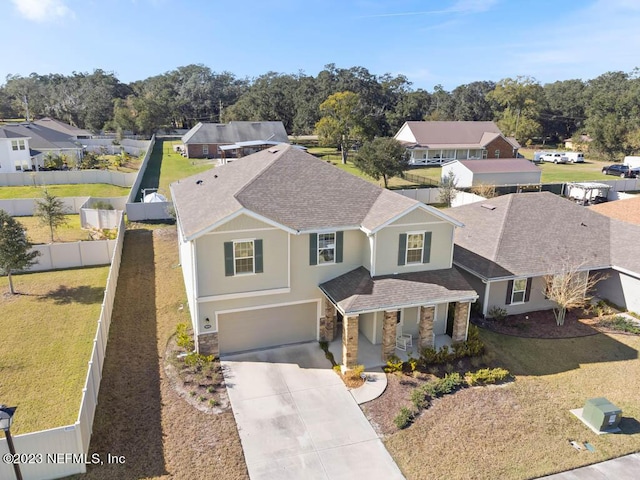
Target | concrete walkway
(297,419)
(623,468)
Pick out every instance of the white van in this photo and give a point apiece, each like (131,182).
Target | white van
(632,161)
(575,157)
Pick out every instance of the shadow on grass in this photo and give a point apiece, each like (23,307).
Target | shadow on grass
(64,295)
(531,356)
(128,417)
(629,426)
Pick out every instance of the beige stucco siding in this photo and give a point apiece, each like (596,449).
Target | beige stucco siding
(537,301)
(440,319)
(410,321)
(619,288)
(211,269)
(387,244)
(417,216)
(477,284)
(242,222)
(366,326)
(267,327)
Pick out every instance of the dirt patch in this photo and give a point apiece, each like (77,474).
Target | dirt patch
(542,324)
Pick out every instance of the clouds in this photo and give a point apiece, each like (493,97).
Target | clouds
(458,7)
(42,11)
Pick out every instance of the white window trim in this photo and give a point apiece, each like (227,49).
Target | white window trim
(406,249)
(253,257)
(524,292)
(335,249)
(205,149)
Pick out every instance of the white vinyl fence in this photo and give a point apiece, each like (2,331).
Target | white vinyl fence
(24,207)
(132,147)
(55,256)
(432,195)
(92,217)
(149,211)
(143,167)
(64,451)
(67,177)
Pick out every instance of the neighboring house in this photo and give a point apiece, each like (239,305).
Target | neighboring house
(627,210)
(205,139)
(44,140)
(510,243)
(432,143)
(62,127)
(14,151)
(507,171)
(581,145)
(279,247)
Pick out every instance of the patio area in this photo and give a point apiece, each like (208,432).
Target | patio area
(370,355)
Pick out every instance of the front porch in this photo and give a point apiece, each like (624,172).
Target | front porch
(370,355)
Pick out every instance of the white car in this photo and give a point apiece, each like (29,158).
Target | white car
(554,157)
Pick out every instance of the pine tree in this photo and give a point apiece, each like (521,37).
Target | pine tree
(15,251)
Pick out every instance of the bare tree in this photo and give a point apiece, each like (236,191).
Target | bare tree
(485,190)
(569,289)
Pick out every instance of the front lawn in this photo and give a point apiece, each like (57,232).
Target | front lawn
(47,337)
(77,190)
(39,233)
(522,429)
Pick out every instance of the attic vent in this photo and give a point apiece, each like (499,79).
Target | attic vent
(487,206)
(199,182)
(215,176)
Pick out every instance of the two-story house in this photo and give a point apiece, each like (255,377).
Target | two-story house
(15,154)
(435,143)
(281,247)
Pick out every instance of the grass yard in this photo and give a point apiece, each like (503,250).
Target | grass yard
(522,429)
(139,414)
(78,190)
(47,337)
(166,166)
(39,233)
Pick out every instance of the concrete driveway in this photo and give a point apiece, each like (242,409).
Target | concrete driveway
(297,419)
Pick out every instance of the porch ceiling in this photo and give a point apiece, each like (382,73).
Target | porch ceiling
(356,292)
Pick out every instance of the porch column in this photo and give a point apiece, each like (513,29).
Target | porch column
(328,322)
(460,321)
(350,341)
(389,334)
(426,326)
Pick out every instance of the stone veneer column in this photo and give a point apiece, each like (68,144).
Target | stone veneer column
(350,341)
(460,321)
(329,321)
(208,344)
(389,334)
(426,326)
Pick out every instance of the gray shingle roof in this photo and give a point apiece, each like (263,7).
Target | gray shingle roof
(459,133)
(289,187)
(43,138)
(356,291)
(62,127)
(7,133)
(233,132)
(530,234)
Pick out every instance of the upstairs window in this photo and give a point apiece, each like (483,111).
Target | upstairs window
(242,257)
(415,244)
(414,248)
(17,145)
(326,247)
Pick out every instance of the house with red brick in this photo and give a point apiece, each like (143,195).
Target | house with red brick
(435,143)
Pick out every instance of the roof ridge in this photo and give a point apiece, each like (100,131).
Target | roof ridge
(503,226)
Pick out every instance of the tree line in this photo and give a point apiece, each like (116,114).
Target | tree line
(606,108)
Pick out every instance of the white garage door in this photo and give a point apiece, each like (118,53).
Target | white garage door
(267,327)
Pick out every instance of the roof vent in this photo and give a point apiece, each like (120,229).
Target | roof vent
(273,150)
(199,182)
(215,176)
(488,207)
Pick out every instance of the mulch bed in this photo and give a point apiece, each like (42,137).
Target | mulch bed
(542,324)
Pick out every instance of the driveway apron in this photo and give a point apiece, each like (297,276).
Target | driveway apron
(297,419)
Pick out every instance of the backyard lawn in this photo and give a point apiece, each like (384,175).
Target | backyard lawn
(78,190)
(39,233)
(522,429)
(47,337)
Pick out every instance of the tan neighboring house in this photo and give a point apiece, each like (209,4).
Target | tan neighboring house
(434,143)
(281,247)
(510,243)
(627,210)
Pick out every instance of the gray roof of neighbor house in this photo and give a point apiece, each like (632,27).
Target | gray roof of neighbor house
(291,188)
(530,234)
(356,292)
(455,134)
(7,133)
(43,138)
(501,165)
(234,132)
(62,127)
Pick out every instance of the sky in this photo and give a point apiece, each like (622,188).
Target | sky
(431,42)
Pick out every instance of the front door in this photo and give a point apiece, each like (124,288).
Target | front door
(451,311)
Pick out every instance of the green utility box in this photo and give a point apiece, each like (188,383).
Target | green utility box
(601,414)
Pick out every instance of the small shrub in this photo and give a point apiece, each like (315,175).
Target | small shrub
(355,373)
(449,383)
(183,339)
(621,324)
(449,368)
(192,393)
(213,402)
(412,364)
(394,364)
(211,389)
(486,376)
(194,359)
(202,398)
(404,418)
(337,369)
(497,313)
(102,205)
(420,397)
